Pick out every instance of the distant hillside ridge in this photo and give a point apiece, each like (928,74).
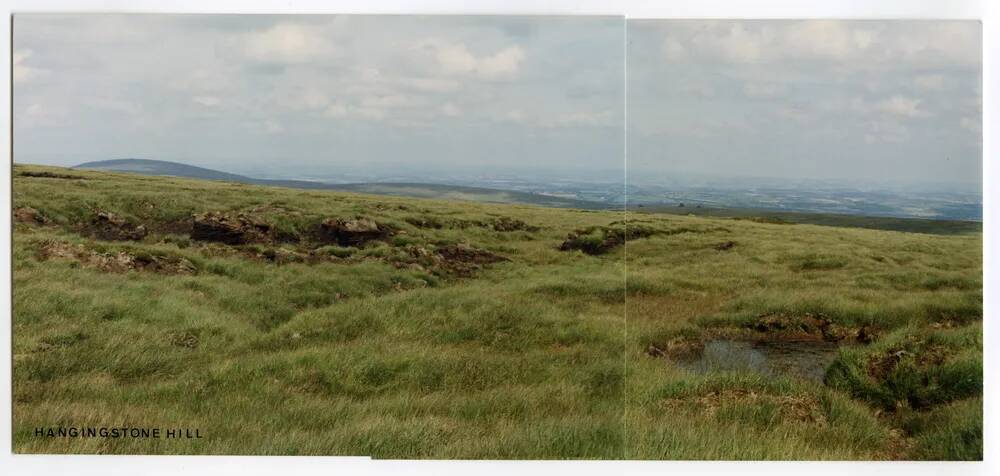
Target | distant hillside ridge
(418,190)
(177,169)
(161,167)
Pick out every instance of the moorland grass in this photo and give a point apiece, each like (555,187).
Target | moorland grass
(368,351)
(922,292)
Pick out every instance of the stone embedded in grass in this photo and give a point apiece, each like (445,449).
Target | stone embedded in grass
(457,259)
(681,347)
(867,334)
(231,230)
(594,240)
(109,226)
(188,339)
(598,240)
(879,366)
(505,224)
(808,326)
(30,215)
(52,175)
(725,246)
(117,262)
(460,253)
(435,223)
(352,231)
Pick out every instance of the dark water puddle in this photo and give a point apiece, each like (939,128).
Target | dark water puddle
(805,360)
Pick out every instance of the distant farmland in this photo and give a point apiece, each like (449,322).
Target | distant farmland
(914,225)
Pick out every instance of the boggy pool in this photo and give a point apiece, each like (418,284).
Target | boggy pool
(805,360)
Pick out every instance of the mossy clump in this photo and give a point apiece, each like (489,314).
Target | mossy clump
(913,368)
(598,240)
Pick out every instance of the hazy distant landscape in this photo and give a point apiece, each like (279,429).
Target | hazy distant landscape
(467,191)
(827,197)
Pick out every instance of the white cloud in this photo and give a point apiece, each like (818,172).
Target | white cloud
(324,82)
(702,89)
(298,99)
(894,106)
(886,132)
(336,110)
(435,85)
(273,127)
(743,42)
(314,99)
(456,59)
(735,44)
(827,39)
(940,42)
(760,90)
(901,106)
(37,114)
(584,118)
(972,124)
(114,104)
(207,101)
(673,50)
(289,43)
(503,64)
(23,72)
(391,101)
(848,99)
(345,111)
(864,38)
(450,110)
(202,80)
(929,82)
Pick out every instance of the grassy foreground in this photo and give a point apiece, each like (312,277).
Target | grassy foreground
(911,389)
(474,331)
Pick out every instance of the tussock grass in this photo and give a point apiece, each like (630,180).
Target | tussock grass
(383,350)
(920,292)
(359,353)
(913,368)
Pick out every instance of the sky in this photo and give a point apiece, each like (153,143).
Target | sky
(307,95)
(845,101)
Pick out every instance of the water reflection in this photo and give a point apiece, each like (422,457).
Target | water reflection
(805,360)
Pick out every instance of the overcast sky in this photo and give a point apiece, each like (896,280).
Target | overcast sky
(852,100)
(290,93)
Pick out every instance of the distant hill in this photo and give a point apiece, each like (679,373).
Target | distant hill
(161,167)
(418,190)
(176,169)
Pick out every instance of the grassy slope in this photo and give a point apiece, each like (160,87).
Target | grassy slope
(522,360)
(902,283)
